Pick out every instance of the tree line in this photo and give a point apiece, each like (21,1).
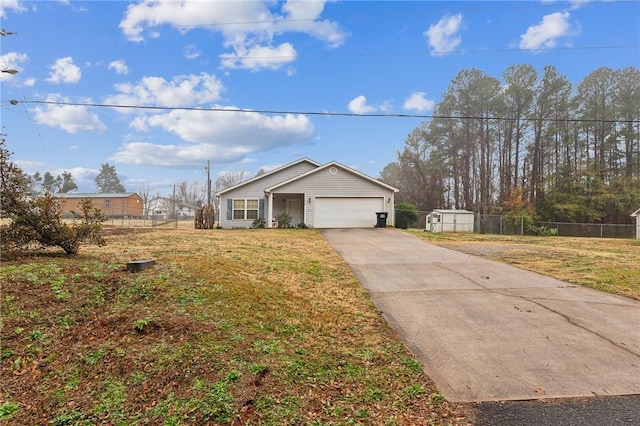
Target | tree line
(557,151)
(107,181)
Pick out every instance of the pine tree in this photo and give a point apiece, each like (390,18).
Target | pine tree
(108,181)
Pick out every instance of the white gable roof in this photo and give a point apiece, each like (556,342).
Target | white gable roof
(326,166)
(446,211)
(269,173)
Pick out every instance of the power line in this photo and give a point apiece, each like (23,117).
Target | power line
(316,113)
(444,52)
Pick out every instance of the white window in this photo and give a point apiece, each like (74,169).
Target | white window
(252,209)
(238,209)
(245,209)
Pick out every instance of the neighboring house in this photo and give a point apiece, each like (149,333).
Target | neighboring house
(163,208)
(450,221)
(319,196)
(637,216)
(112,205)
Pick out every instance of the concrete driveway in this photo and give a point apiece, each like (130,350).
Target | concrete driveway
(487,331)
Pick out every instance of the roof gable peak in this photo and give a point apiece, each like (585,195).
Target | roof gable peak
(269,173)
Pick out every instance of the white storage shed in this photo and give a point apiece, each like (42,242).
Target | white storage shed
(637,216)
(450,221)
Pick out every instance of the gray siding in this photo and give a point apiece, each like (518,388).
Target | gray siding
(342,184)
(255,190)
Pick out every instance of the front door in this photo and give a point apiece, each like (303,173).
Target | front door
(294,210)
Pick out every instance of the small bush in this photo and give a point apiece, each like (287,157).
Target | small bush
(205,218)
(258,223)
(406,215)
(284,220)
(39,223)
(542,231)
(36,219)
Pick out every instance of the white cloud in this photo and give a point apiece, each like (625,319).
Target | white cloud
(258,57)
(183,90)
(358,105)
(119,66)
(304,16)
(418,101)
(191,52)
(84,177)
(443,37)
(64,71)
(546,34)
(31,166)
(10,4)
(223,136)
(12,61)
(577,4)
(70,118)
(248,27)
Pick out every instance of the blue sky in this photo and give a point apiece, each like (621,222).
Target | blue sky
(346,57)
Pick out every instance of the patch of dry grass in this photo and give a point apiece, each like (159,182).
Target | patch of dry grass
(611,265)
(229,327)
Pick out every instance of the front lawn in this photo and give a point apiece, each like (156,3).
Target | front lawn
(606,264)
(229,327)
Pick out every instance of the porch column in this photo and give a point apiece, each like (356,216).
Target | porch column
(270,210)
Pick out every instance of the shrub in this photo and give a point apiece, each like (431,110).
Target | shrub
(205,217)
(36,219)
(40,223)
(259,223)
(284,220)
(406,215)
(542,231)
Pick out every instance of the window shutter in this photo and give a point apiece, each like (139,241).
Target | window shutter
(261,208)
(229,208)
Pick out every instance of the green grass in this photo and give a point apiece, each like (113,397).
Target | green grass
(610,265)
(264,327)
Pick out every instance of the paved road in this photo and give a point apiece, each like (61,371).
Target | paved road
(594,411)
(487,331)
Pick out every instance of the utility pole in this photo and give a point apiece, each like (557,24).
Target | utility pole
(175,215)
(208,168)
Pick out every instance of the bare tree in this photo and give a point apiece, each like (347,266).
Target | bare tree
(145,194)
(189,193)
(228,178)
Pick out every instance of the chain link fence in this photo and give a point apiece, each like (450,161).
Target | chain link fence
(509,225)
(152,221)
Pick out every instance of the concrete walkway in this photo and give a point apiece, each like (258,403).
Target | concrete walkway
(487,331)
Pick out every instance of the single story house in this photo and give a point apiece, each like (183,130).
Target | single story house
(450,221)
(112,205)
(637,216)
(319,196)
(164,208)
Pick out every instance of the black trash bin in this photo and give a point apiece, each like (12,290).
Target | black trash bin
(381,221)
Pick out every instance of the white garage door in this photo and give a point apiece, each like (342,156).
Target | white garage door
(336,212)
